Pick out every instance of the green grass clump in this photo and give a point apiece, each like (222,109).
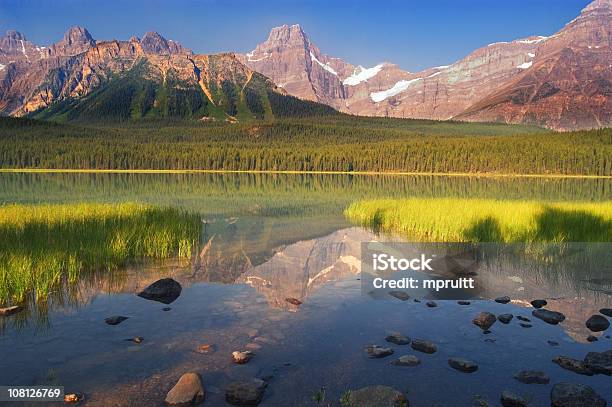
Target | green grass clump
(45,247)
(486,220)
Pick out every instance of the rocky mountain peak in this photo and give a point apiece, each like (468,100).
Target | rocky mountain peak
(14,35)
(154,43)
(287,35)
(598,5)
(78,35)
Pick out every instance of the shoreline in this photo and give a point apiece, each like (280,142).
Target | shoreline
(297,172)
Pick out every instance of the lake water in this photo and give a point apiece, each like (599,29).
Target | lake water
(274,237)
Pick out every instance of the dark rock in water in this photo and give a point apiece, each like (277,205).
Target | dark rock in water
(431,304)
(188,391)
(522,318)
(376,396)
(10,310)
(538,303)
(599,362)
(575,365)
(479,402)
(245,393)
(407,360)
(293,301)
(575,395)
(115,320)
(505,318)
(463,365)
(532,377)
(166,309)
(398,339)
(484,320)
(592,338)
(509,399)
(486,332)
(242,357)
(550,317)
(400,295)
(463,302)
(553,343)
(606,311)
(415,300)
(377,352)
(165,291)
(503,300)
(597,323)
(424,346)
(525,325)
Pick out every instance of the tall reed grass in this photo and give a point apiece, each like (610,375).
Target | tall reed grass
(44,247)
(485,220)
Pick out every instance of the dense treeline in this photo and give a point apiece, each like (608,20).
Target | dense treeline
(339,143)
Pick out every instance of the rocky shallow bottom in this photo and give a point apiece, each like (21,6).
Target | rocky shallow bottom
(338,347)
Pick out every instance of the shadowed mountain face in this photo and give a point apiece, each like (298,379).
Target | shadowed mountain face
(562,81)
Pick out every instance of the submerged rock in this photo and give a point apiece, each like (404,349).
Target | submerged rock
(245,393)
(400,295)
(377,352)
(188,391)
(550,317)
(398,339)
(575,395)
(431,304)
(293,301)
(7,311)
(525,325)
(538,303)
(376,396)
(115,320)
(424,346)
(592,338)
(509,399)
(606,311)
(574,365)
(597,323)
(553,343)
(407,360)
(205,348)
(166,309)
(503,300)
(242,357)
(532,377)
(136,339)
(165,291)
(522,318)
(484,320)
(463,365)
(599,362)
(463,302)
(505,318)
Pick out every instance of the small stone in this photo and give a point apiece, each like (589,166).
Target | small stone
(431,304)
(10,310)
(407,360)
(532,377)
(115,320)
(73,398)
(505,318)
(592,338)
(400,295)
(165,291)
(416,300)
(136,339)
(503,300)
(463,302)
(204,348)
(463,365)
(245,393)
(597,323)
(188,391)
(166,309)
(575,395)
(424,346)
(599,362)
(606,311)
(509,399)
(377,352)
(293,301)
(574,365)
(550,317)
(376,396)
(525,325)
(252,333)
(486,332)
(484,320)
(398,339)
(241,357)
(252,346)
(538,303)
(522,318)
(553,343)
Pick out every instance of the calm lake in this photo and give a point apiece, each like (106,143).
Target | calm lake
(266,238)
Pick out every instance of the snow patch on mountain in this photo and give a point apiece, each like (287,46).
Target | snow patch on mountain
(250,56)
(399,87)
(324,66)
(361,74)
(531,55)
(525,65)
(2,67)
(539,39)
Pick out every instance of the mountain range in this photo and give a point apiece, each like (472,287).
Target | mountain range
(562,81)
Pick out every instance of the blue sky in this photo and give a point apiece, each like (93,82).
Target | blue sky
(412,33)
